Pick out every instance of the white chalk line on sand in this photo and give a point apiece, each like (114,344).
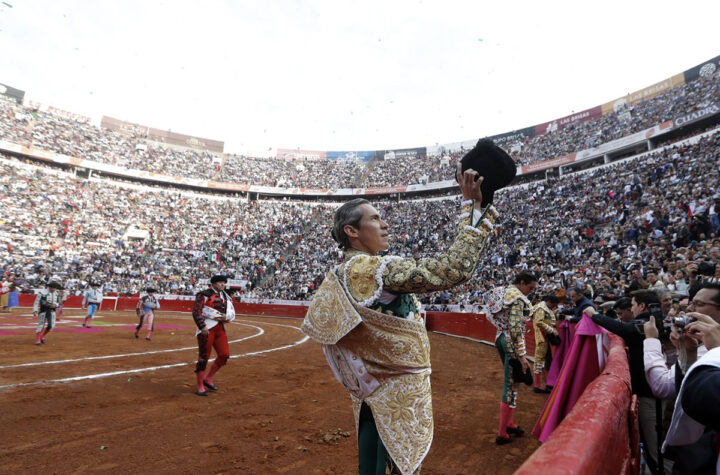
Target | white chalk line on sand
(105,357)
(155,368)
(62,321)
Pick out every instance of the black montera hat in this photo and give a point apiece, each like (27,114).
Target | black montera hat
(150,289)
(54,285)
(493,163)
(218,278)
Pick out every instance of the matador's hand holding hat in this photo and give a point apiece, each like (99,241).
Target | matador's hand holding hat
(493,163)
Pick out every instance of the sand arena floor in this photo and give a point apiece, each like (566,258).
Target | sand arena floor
(98,400)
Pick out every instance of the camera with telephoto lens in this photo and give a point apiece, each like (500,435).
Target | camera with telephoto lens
(682,320)
(663,327)
(706,268)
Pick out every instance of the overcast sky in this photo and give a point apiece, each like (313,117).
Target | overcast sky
(345,75)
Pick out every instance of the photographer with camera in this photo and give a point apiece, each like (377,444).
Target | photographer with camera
(644,304)
(700,273)
(692,434)
(659,376)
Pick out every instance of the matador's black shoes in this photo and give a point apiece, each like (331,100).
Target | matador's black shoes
(503,440)
(516,431)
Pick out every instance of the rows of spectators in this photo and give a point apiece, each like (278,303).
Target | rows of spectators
(597,229)
(655,217)
(57,225)
(45,131)
(288,174)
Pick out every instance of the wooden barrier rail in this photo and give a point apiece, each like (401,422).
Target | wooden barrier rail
(600,433)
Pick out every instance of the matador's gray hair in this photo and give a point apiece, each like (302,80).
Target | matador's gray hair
(347,214)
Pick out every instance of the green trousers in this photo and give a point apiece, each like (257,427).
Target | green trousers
(372,456)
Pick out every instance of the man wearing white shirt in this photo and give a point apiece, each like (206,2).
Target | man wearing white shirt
(695,408)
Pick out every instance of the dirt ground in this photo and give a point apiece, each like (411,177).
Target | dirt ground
(99,400)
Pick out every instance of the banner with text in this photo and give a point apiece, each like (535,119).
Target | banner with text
(164,136)
(364,156)
(58,112)
(509,138)
(699,114)
(643,94)
(505,140)
(297,154)
(571,119)
(418,152)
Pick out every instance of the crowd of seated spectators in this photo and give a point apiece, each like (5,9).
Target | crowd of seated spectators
(581,228)
(75,229)
(585,229)
(42,130)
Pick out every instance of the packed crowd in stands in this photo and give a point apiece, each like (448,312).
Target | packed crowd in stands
(58,226)
(287,174)
(625,121)
(587,229)
(26,126)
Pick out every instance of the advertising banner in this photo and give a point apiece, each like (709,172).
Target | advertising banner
(702,70)
(11,93)
(504,140)
(696,115)
(58,112)
(509,138)
(563,122)
(164,136)
(644,94)
(218,185)
(118,125)
(419,152)
(297,154)
(386,189)
(555,162)
(365,156)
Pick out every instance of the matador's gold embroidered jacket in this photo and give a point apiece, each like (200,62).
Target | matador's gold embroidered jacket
(516,310)
(366,277)
(392,355)
(543,321)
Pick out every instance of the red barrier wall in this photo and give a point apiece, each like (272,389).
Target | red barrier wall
(472,325)
(597,430)
(75,301)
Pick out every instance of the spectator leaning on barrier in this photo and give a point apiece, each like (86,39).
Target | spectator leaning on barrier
(696,419)
(581,303)
(623,308)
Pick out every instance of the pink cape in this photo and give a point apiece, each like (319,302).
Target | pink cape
(584,362)
(566,330)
